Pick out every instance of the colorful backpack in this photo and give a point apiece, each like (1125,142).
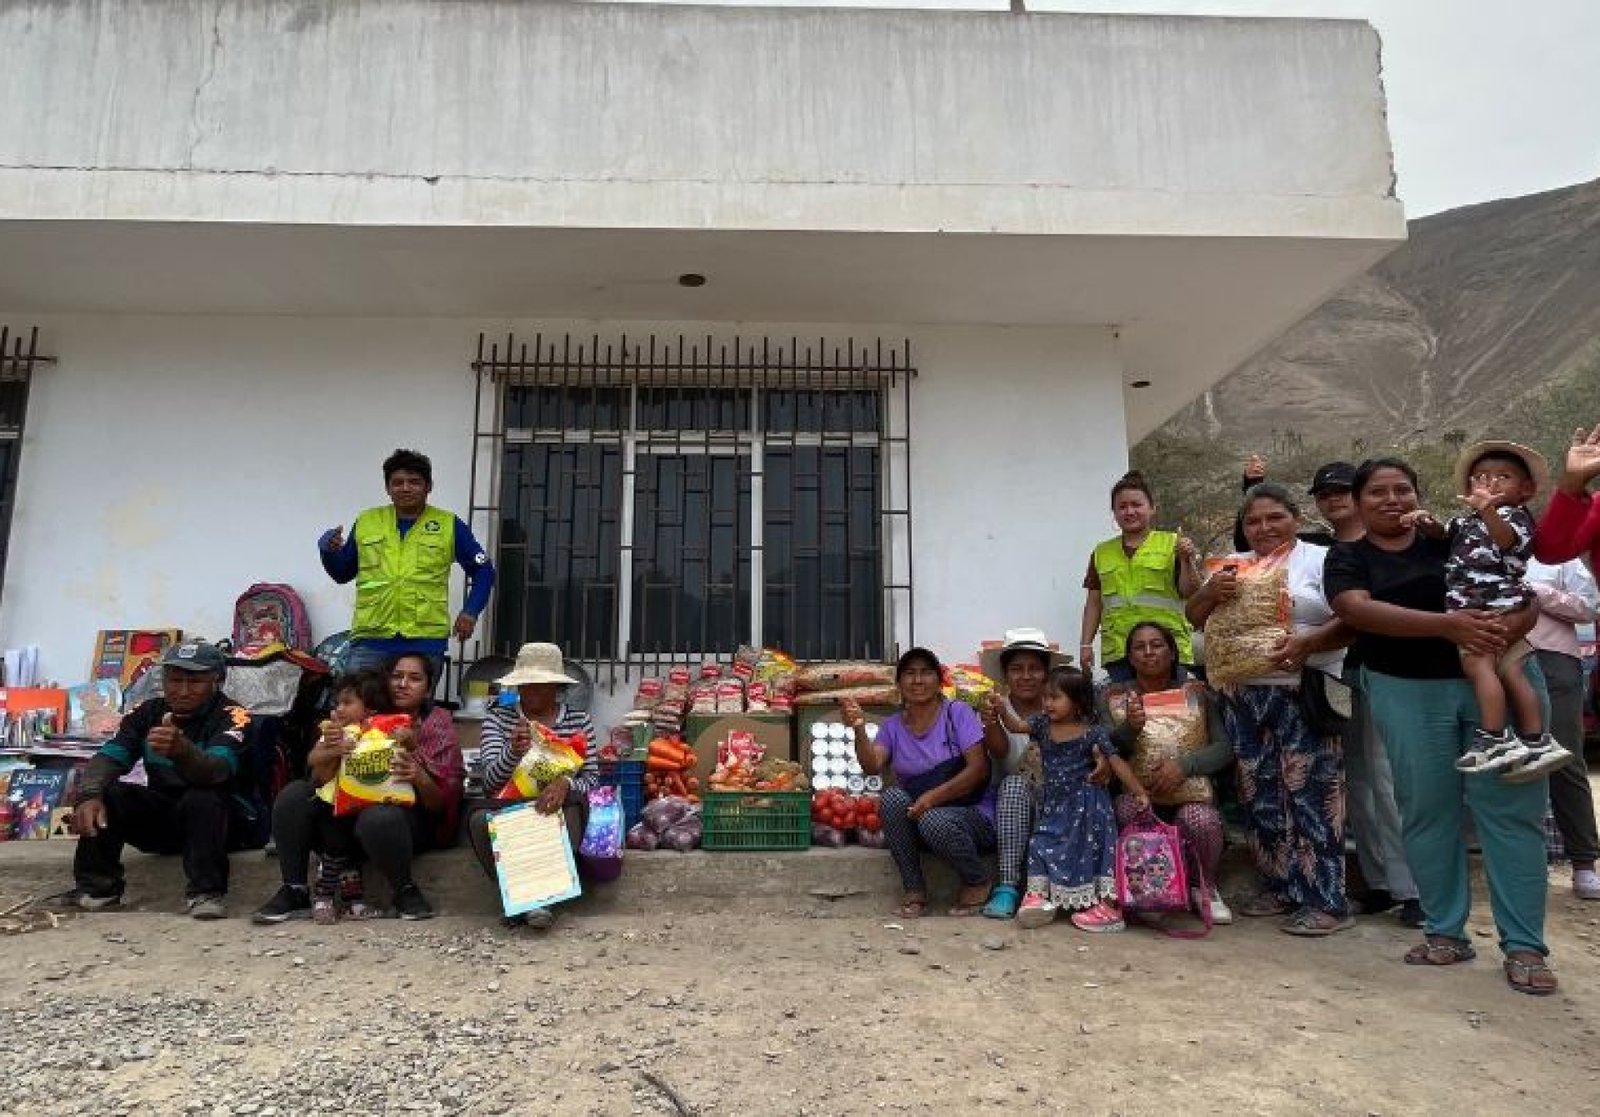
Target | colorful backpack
(268,614)
(1153,876)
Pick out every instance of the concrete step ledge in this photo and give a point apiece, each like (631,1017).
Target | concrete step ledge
(812,882)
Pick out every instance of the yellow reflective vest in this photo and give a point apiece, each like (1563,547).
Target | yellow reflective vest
(403,584)
(1140,587)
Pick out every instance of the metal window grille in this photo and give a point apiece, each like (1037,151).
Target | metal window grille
(651,502)
(19,353)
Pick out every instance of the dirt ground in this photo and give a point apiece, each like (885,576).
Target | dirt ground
(764,1013)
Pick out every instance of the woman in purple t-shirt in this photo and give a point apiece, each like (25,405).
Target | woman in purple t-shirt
(942,800)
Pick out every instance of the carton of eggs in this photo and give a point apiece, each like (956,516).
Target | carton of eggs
(832,753)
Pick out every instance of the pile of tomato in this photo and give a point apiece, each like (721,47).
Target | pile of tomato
(844,811)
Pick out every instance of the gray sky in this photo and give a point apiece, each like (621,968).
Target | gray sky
(1487,98)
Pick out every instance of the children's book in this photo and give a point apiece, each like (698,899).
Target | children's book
(92,708)
(35,794)
(124,654)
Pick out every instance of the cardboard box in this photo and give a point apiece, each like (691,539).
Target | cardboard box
(701,732)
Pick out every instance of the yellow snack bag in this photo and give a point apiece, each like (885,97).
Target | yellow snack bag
(549,756)
(364,778)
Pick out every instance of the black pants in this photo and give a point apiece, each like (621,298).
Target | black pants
(389,836)
(575,810)
(202,823)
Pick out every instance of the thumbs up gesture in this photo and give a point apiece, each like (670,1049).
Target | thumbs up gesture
(163,739)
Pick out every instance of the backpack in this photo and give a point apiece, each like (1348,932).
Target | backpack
(269,613)
(1153,876)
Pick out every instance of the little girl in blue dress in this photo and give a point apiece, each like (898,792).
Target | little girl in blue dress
(1072,854)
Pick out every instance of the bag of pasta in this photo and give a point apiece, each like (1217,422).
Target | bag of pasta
(1243,634)
(1174,726)
(549,756)
(364,778)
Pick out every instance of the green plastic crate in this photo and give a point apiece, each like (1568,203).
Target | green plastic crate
(756,820)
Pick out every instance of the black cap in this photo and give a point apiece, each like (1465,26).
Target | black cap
(1334,475)
(195,656)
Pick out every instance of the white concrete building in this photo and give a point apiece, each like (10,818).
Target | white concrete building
(262,239)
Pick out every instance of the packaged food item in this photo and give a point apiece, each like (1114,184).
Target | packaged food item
(549,756)
(842,676)
(710,671)
(364,778)
(703,698)
(678,677)
(730,697)
(755,697)
(780,697)
(875,695)
(647,693)
(684,836)
(1242,635)
(1174,725)
(825,835)
(745,661)
(967,683)
(670,823)
(642,837)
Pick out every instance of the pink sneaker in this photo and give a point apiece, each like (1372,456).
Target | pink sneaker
(1100,919)
(1036,911)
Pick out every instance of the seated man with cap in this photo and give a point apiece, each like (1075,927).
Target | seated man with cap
(197,799)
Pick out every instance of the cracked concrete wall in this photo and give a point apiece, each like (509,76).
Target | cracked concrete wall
(477,111)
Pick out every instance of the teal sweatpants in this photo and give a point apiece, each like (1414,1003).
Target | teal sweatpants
(1426,724)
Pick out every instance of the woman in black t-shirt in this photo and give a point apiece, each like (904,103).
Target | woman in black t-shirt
(1389,586)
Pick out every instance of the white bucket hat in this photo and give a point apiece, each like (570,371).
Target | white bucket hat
(537,663)
(992,660)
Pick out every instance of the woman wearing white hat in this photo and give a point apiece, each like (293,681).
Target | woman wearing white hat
(1023,661)
(537,681)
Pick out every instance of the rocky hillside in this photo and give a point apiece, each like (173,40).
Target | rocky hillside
(1483,308)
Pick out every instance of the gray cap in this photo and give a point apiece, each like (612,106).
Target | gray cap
(196,656)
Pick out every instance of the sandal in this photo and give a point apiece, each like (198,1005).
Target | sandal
(1003,902)
(1308,923)
(970,900)
(912,907)
(1440,950)
(1264,905)
(1526,972)
(1098,920)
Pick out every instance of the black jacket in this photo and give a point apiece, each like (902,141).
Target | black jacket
(217,753)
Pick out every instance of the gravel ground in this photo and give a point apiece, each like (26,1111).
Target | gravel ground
(732,1014)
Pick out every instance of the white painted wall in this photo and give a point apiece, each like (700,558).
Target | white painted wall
(484,112)
(169,461)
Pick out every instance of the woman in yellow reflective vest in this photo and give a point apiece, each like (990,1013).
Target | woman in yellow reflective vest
(1140,575)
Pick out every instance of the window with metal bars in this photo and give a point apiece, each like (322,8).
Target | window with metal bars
(651,502)
(19,353)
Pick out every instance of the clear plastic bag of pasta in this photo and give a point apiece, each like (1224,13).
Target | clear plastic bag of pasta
(1243,635)
(1174,726)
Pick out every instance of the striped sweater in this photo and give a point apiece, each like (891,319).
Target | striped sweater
(494,745)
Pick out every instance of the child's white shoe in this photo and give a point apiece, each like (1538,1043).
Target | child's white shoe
(1492,752)
(1036,911)
(1540,758)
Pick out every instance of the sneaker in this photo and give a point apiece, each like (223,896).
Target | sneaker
(1100,919)
(1586,884)
(1540,758)
(1221,913)
(410,903)
(288,902)
(1036,911)
(86,901)
(1492,752)
(324,911)
(1411,913)
(208,906)
(1374,901)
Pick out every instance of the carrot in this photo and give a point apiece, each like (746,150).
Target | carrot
(661,764)
(666,749)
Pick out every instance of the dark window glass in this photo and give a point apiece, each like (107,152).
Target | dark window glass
(806,412)
(691,553)
(693,409)
(560,547)
(822,552)
(569,408)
